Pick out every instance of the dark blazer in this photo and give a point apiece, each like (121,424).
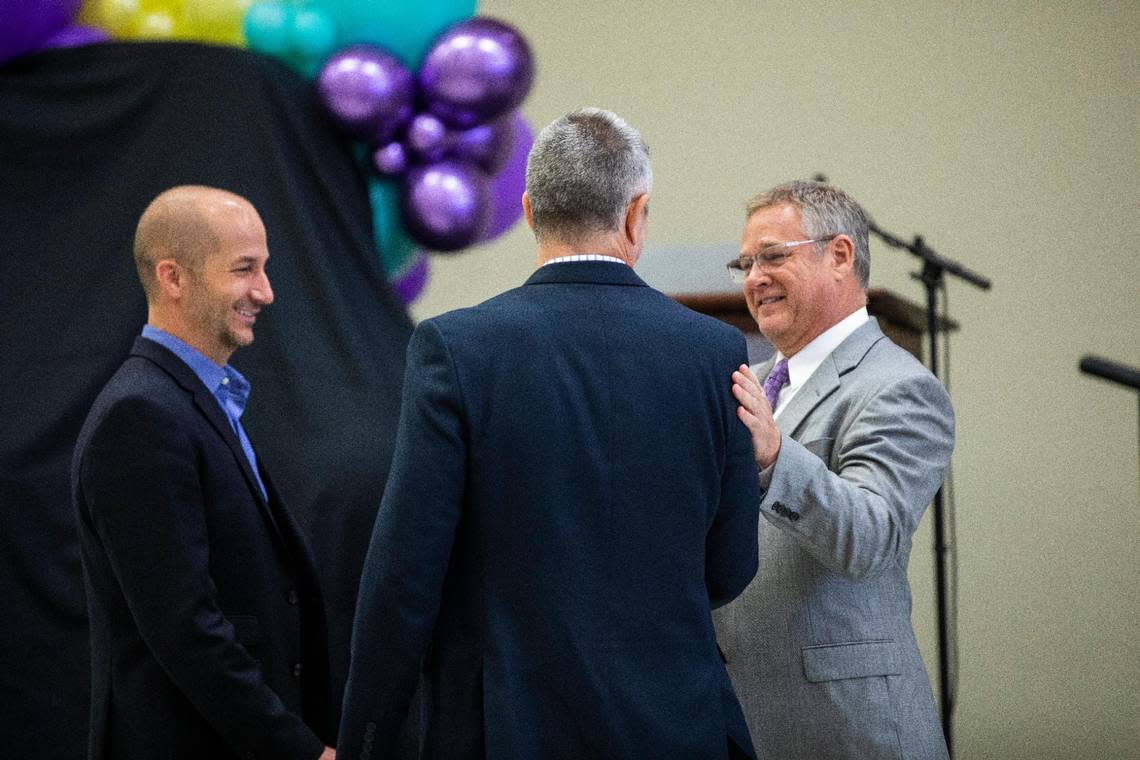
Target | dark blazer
(207,627)
(571,492)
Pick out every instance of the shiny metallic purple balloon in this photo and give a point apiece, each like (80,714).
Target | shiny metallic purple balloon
(368,92)
(25,25)
(488,146)
(427,137)
(410,284)
(445,205)
(478,69)
(508,185)
(76,35)
(390,160)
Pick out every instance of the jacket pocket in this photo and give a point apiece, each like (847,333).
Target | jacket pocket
(855,659)
(247,629)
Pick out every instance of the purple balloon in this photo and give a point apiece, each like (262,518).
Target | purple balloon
(478,69)
(410,284)
(509,184)
(427,137)
(488,146)
(368,92)
(390,160)
(445,205)
(76,36)
(26,24)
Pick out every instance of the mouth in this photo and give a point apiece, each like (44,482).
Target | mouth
(247,314)
(770,300)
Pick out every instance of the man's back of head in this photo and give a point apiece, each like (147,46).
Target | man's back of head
(588,179)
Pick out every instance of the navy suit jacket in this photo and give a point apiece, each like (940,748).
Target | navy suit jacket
(207,627)
(571,493)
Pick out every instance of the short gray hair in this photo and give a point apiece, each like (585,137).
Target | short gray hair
(582,172)
(826,210)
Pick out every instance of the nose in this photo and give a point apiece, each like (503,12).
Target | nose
(756,276)
(262,290)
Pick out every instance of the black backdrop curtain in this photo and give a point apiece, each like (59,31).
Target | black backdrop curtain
(88,136)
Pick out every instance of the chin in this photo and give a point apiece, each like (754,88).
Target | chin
(238,339)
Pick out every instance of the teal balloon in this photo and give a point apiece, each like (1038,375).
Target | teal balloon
(267,27)
(405,28)
(313,35)
(396,248)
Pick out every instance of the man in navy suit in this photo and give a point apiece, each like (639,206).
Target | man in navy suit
(571,493)
(207,626)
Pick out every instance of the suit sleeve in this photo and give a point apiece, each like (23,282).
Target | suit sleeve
(890,460)
(140,479)
(411,544)
(731,551)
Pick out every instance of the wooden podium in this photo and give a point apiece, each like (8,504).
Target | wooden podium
(903,321)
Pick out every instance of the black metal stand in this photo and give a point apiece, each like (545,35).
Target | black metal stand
(1114,372)
(932,276)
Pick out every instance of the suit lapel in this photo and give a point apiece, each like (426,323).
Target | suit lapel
(210,409)
(826,378)
(819,386)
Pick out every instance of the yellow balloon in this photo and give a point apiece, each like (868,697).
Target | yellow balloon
(156,25)
(216,20)
(116,16)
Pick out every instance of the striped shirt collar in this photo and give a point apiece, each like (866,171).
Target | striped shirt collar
(583,257)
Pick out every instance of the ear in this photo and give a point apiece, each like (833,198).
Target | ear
(527,212)
(635,216)
(171,278)
(842,258)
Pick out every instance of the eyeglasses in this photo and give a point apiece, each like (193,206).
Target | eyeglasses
(770,257)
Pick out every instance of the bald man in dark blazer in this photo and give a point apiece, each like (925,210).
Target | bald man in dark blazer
(207,627)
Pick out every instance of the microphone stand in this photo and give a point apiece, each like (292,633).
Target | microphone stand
(1114,372)
(934,267)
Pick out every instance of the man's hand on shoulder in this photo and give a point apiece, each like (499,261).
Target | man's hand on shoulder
(328,754)
(756,414)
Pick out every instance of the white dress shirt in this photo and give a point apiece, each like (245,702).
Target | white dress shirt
(807,359)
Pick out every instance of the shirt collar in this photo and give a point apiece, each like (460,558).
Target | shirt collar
(807,359)
(219,380)
(583,257)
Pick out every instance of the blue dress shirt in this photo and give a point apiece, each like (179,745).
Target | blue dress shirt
(228,385)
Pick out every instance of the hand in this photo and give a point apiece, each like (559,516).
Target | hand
(756,414)
(328,754)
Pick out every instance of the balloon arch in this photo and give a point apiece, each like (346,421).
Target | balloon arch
(429,92)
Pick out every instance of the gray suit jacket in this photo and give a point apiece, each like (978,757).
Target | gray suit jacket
(820,645)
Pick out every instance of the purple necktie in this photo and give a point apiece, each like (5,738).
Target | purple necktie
(776,380)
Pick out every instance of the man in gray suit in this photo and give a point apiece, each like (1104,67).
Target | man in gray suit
(852,438)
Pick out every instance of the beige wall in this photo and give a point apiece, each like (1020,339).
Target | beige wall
(1008,134)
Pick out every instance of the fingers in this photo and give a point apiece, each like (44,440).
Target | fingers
(749,394)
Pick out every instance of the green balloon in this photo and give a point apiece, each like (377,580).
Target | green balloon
(392,241)
(405,28)
(266,27)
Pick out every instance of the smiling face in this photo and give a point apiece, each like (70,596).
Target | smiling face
(811,291)
(225,292)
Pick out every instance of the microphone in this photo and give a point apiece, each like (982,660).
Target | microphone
(1109,370)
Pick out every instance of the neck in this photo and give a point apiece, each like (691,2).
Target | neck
(605,245)
(177,326)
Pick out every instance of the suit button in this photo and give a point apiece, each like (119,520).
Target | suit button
(292,597)
(297,670)
(793,516)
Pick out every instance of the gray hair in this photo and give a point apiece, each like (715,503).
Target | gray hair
(826,210)
(582,172)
